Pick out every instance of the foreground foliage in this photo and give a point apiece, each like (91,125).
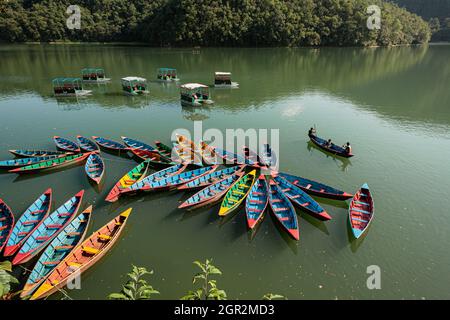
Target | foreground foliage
(6,280)
(136,288)
(213,23)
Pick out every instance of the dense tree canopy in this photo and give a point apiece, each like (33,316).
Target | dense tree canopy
(213,22)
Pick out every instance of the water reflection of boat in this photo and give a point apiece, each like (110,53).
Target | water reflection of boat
(195,113)
(344,162)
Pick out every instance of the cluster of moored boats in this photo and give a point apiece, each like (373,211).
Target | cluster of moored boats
(213,174)
(190,93)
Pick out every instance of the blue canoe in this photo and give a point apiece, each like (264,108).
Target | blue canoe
(17,163)
(6,223)
(37,153)
(211,194)
(256,202)
(232,158)
(57,250)
(301,198)
(283,210)
(136,144)
(48,229)
(316,188)
(86,145)
(210,178)
(109,144)
(65,144)
(28,222)
(95,167)
(334,149)
(361,211)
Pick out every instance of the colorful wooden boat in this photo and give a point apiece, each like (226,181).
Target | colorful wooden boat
(38,153)
(237,193)
(186,155)
(52,163)
(185,142)
(210,178)
(210,194)
(95,167)
(252,156)
(136,144)
(207,153)
(153,156)
(86,145)
(232,158)
(283,210)
(21,162)
(163,149)
(83,256)
(177,180)
(136,174)
(316,188)
(28,222)
(109,144)
(334,149)
(48,229)
(57,250)
(159,175)
(301,198)
(268,156)
(6,223)
(361,211)
(65,144)
(256,202)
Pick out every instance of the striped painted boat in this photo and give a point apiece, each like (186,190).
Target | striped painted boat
(52,163)
(237,193)
(37,153)
(136,144)
(211,178)
(28,222)
(186,155)
(48,229)
(84,256)
(176,180)
(207,153)
(109,144)
(316,188)
(232,158)
(95,167)
(361,211)
(57,250)
(210,194)
(301,198)
(6,223)
(21,162)
(65,144)
(256,202)
(134,175)
(159,175)
(155,157)
(87,145)
(283,210)
(163,149)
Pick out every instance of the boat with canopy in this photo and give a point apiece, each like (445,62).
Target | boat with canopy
(69,87)
(94,75)
(134,85)
(167,74)
(195,94)
(223,80)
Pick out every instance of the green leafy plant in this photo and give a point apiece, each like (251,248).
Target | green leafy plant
(6,280)
(273,296)
(208,288)
(136,288)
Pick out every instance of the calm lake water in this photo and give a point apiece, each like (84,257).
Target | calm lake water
(392,104)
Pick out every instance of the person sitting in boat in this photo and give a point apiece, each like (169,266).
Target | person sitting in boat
(312,132)
(328,143)
(347,147)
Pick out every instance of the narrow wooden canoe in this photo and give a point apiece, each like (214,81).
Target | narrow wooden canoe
(186,155)
(256,202)
(174,181)
(136,144)
(207,153)
(210,194)
(232,158)
(28,222)
(109,144)
(153,156)
(237,193)
(95,167)
(301,198)
(211,178)
(334,149)
(52,163)
(185,142)
(57,250)
(316,188)
(38,153)
(134,175)
(83,256)
(6,223)
(361,211)
(48,229)
(283,210)
(86,145)
(21,162)
(163,149)
(65,144)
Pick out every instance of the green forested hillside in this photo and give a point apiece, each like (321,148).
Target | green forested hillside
(213,22)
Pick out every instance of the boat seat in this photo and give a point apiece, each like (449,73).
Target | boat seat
(42,238)
(255,201)
(360,210)
(277,200)
(360,220)
(29,222)
(103,236)
(238,192)
(36,212)
(286,190)
(23,233)
(3,219)
(363,203)
(280,209)
(284,218)
(296,196)
(51,263)
(73,234)
(305,204)
(65,214)
(257,193)
(63,248)
(253,210)
(73,264)
(90,250)
(3,228)
(54,226)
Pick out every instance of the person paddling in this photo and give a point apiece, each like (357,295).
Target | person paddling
(312,132)
(347,147)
